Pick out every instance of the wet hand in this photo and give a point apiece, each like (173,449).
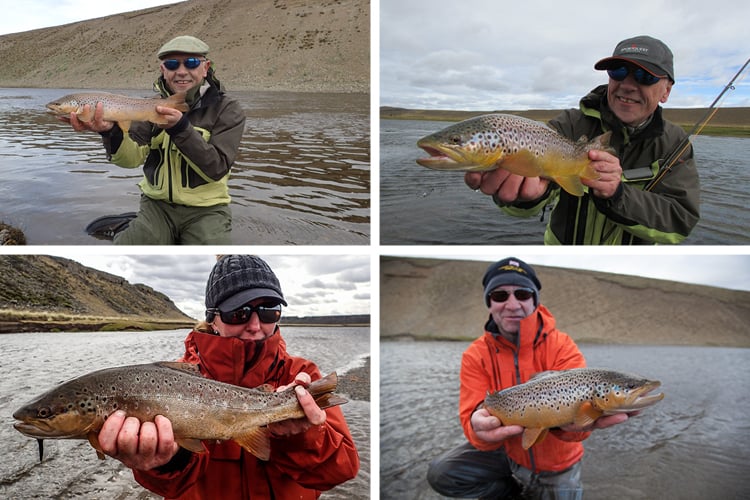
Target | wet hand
(141,446)
(172,116)
(489,428)
(313,414)
(507,187)
(97,124)
(610,173)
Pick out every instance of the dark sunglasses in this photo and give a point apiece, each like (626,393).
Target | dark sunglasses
(521,294)
(189,63)
(640,75)
(266,314)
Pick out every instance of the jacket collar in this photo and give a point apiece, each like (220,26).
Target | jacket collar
(248,363)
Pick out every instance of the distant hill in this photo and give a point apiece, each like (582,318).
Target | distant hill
(442,299)
(726,121)
(43,293)
(295,45)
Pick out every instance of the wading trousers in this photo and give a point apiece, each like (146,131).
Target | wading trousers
(162,223)
(465,472)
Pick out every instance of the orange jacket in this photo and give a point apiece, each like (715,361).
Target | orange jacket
(300,466)
(491,363)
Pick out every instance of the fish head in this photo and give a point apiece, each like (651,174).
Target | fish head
(622,393)
(60,413)
(468,145)
(65,105)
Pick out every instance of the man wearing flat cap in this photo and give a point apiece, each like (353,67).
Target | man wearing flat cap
(186,163)
(519,341)
(623,206)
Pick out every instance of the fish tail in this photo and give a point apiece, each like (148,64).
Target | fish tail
(328,400)
(177,101)
(601,142)
(324,385)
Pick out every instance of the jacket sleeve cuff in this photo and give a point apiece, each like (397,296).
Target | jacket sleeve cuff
(180,126)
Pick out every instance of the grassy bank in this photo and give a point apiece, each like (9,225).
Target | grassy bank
(12,321)
(728,122)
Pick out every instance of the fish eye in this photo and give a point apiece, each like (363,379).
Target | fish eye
(43,412)
(456,139)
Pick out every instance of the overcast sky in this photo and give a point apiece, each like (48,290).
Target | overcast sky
(490,55)
(33,14)
(724,271)
(312,285)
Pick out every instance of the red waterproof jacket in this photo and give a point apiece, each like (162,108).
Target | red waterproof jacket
(491,363)
(300,466)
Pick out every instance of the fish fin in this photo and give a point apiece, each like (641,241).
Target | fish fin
(177,101)
(194,445)
(586,414)
(522,163)
(328,400)
(532,436)
(256,441)
(544,374)
(571,184)
(189,368)
(125,126)
(601,142)
(266,388)
(94,441)
(83,116)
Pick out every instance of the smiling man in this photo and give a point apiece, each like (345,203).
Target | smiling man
(186,163)
(616,208)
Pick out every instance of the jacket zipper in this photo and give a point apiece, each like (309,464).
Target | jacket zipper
(167,153)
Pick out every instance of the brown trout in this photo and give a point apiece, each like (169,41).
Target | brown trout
(519,145)
(578,396)
(199,408)
(117,108)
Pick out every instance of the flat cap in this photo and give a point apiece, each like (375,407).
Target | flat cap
(185,44)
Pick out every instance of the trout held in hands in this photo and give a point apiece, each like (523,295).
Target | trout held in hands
(519,145)
(117,108)
(199,408)
(578,396)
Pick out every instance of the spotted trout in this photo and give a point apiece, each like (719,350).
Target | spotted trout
(519,145)
(117,108)
(578,396)
(199,408)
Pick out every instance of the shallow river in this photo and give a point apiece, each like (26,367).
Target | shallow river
(695,444)
(443,210)
(35,362)
(302,175)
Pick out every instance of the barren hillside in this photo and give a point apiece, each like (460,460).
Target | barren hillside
(297,45)
(434,299)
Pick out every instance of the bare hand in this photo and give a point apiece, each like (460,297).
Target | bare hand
(141,446)
(97,124)
(313,414)
(610,173)
(172,116)
(506,186)
(489,428)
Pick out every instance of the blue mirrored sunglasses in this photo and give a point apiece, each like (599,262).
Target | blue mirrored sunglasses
(640,75)
(189,63)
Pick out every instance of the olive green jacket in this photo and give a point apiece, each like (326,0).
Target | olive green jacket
(189,163)
(632,216)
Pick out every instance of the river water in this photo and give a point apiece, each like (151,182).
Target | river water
(302,175)
(34,362)
(443,210)
(695,444)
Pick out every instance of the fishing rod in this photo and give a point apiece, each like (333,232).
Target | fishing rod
(697,128)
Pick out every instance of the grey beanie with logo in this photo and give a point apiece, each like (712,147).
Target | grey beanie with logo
(236,280)
(510,271)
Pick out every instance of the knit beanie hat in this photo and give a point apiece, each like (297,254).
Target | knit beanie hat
(236,280)
(510,271)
